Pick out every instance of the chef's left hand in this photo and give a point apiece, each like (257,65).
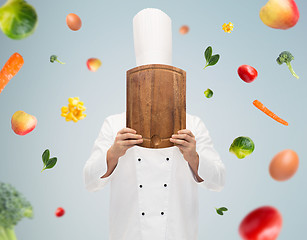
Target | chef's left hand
(185,141)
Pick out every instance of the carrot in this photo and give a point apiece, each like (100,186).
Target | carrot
(264,109)
(10,69)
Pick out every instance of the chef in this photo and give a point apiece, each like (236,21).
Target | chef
(154,191)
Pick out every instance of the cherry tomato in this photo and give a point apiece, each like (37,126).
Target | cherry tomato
(263,223)
(247,73)
(59,212)
(73,21)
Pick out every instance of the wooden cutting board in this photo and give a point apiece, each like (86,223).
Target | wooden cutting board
(156,103)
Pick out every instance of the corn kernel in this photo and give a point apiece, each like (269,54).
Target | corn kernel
(228,27)
(64,109)
(81,108)
(71,108)
(74,110)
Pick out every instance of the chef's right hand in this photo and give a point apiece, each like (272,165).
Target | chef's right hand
(125,139)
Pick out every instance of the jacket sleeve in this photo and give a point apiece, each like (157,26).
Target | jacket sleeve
(96,165)
(211,169)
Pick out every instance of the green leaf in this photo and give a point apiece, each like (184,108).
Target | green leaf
(219,212)
(214,59)
(223,209)
(208,53)
(51,163)
(46,156)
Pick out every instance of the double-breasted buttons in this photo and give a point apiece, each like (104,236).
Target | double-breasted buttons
(143,165)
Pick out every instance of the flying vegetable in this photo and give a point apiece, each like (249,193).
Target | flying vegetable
(13,207)
(208,93)
(54,58)
(18,19)
(242,147)
(286,57)
(211,60)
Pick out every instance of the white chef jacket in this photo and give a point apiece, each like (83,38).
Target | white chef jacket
(154,194)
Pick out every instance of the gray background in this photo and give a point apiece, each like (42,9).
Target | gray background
(42,88)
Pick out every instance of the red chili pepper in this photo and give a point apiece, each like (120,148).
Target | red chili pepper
(247,73)
(263,223)
(59,212)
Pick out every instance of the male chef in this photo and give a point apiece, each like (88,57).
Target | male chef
(154,191)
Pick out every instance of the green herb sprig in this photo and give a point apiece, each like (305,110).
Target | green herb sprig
(48,162)
(211,60)
(221,210)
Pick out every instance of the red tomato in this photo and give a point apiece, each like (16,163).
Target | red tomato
(59,212)
(247,73)
(263,223)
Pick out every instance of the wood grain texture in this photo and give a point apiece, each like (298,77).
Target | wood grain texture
(156,103)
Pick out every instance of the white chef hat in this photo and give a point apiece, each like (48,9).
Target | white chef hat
(152,32)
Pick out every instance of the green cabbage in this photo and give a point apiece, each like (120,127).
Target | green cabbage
(242,147)
(18,19)
(208,93)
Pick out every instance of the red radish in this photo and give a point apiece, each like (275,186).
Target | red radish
(247,73)
(59,212)
(263,223)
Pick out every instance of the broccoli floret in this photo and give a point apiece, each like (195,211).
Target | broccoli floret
(55,58)
(286,57)
(13,207)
